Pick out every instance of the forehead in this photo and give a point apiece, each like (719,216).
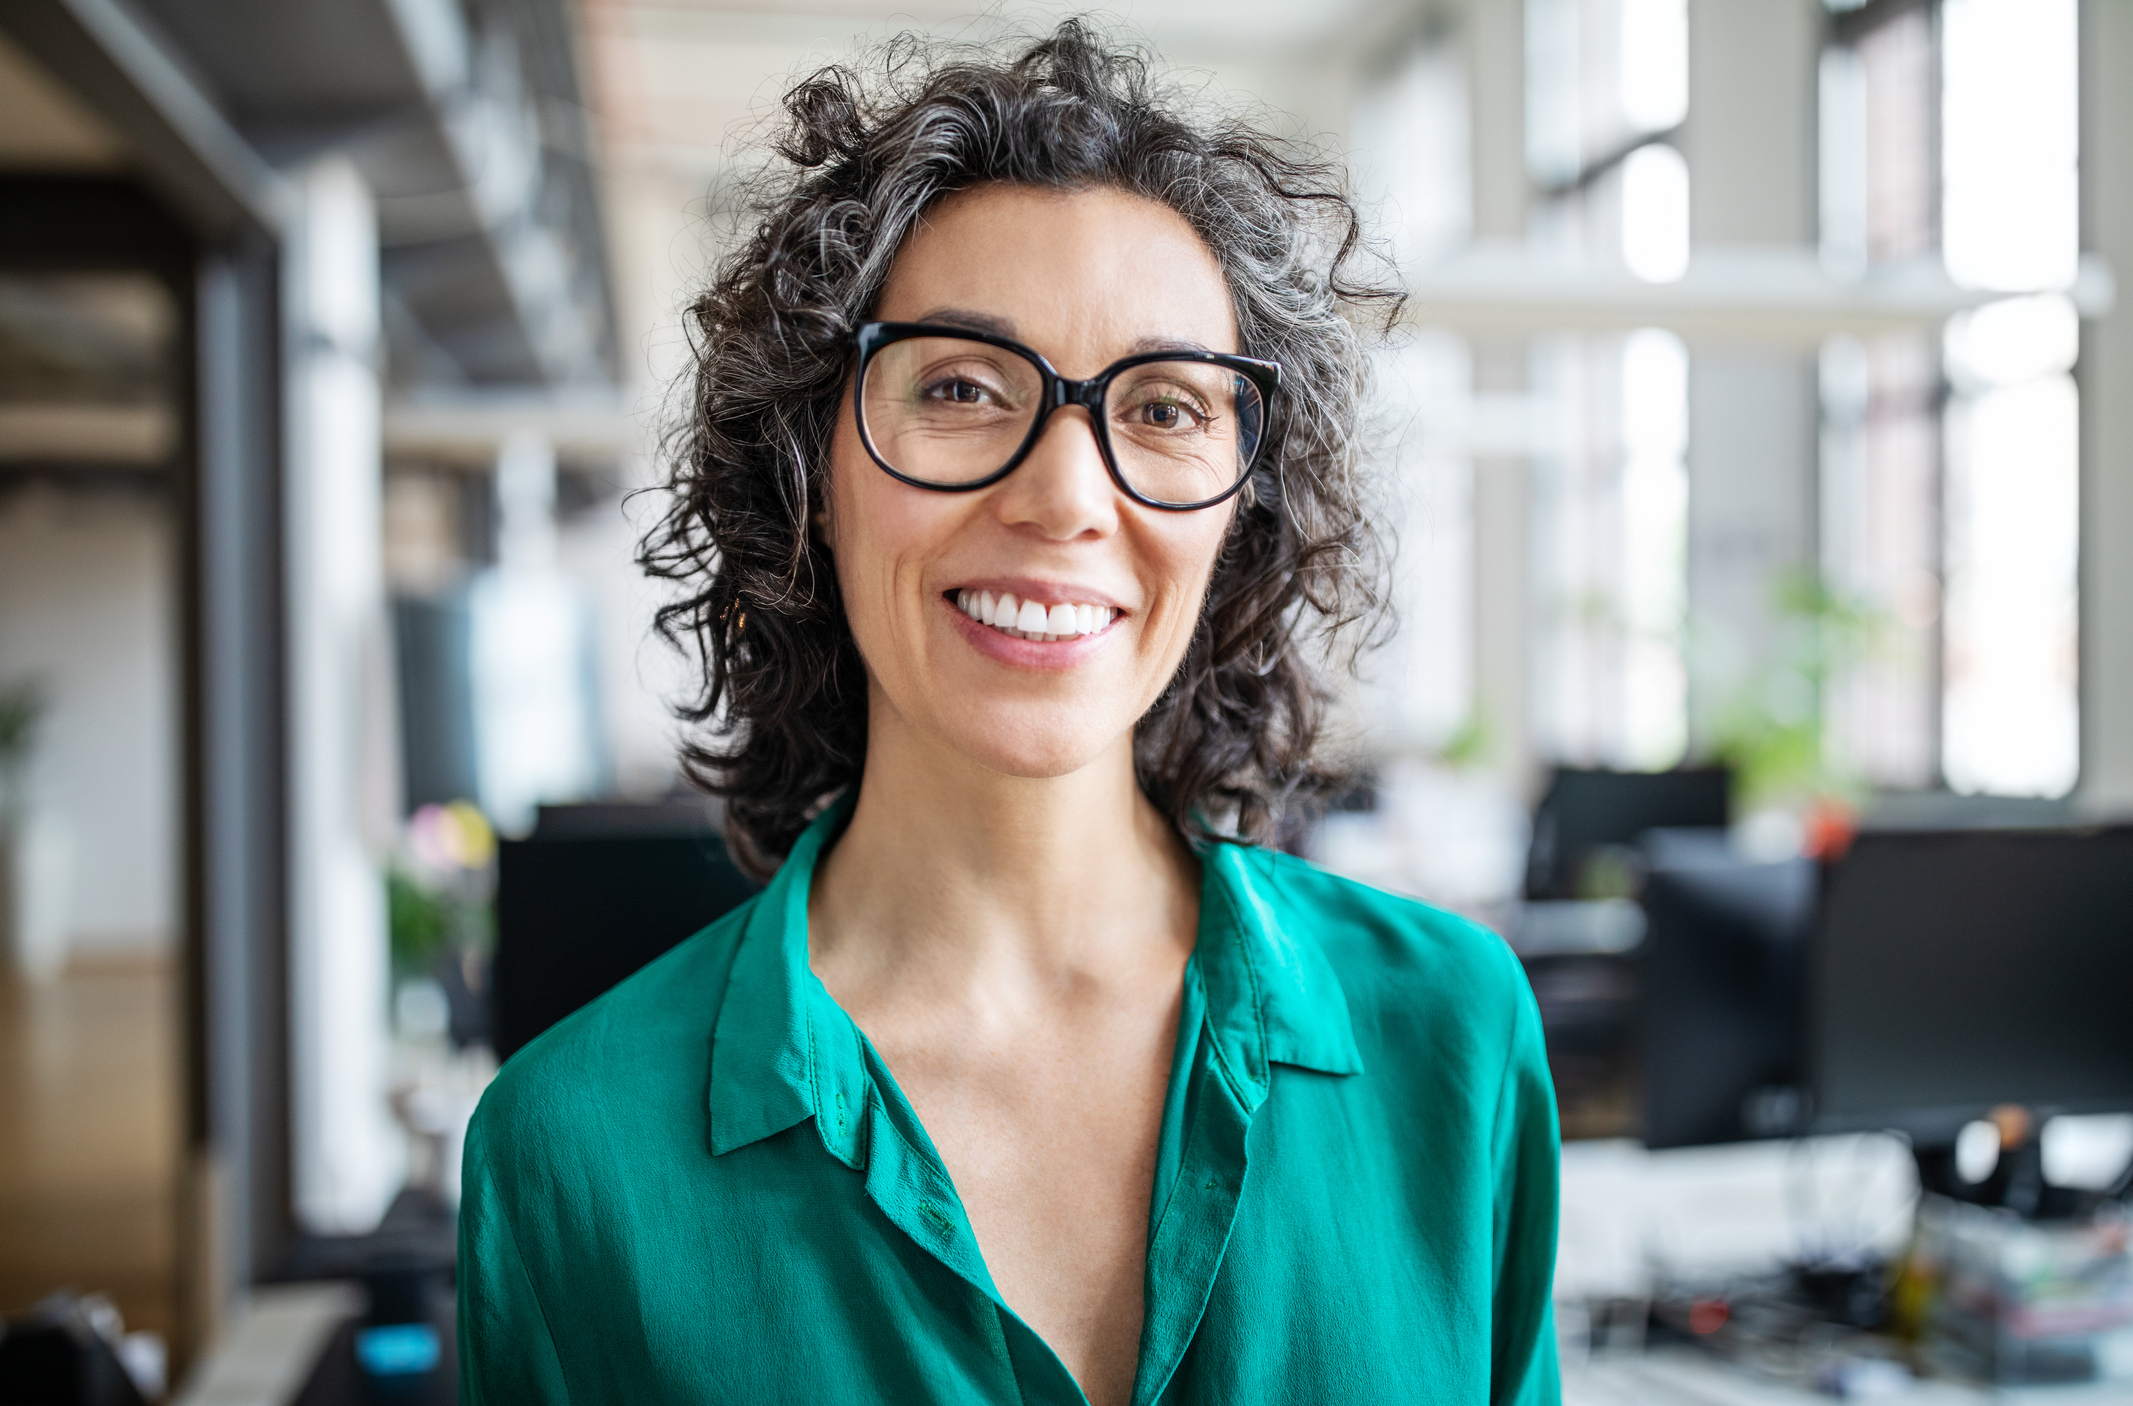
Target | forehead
(1083,276)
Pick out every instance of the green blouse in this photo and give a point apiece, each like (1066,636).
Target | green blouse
(706,1186)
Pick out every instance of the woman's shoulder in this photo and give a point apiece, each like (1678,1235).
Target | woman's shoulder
(1390,950)
(623,1054)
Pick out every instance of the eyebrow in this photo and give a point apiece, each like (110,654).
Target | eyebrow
(1156,344)
(1003,327)
(971,321)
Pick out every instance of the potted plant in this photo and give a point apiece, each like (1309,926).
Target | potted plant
(1775,734)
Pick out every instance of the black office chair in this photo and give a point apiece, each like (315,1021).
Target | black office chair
(593,894)
(1591,815)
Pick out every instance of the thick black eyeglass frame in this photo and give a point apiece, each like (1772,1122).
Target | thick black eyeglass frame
(1057,393)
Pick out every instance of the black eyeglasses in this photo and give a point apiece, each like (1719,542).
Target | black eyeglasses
(946,408)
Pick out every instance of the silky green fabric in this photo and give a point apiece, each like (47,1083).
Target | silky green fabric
(706,1186)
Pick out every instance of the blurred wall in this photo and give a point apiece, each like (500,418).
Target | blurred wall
(85,605)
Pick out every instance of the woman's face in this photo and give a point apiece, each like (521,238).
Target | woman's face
(1085,278)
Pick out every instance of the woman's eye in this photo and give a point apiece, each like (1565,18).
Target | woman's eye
(1164,414)
(957,391)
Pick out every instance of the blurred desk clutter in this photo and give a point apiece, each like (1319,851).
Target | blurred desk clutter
(2020,1302)
(1684,1377)
(1949,983)
(1845,1092)
(1980,1305)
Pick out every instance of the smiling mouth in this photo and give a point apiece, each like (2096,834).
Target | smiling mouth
(1029,620)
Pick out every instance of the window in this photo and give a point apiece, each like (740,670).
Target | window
(2010,208)
(1950,466)
(1607,81)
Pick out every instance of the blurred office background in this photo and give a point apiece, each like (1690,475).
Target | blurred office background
(1762,417)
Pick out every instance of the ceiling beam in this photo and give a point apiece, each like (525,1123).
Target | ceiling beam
(1771,294)
(185,148)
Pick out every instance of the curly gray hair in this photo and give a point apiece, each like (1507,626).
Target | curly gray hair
(1231,745)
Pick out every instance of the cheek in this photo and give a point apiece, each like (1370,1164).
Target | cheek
(851,528)
(861,527)
(879,533)
(1186,552)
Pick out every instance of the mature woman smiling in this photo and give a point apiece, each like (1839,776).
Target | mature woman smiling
(1018,494)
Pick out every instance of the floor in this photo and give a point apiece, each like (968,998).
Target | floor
(89,1134)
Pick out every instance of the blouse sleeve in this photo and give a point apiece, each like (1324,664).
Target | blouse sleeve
(1523,1368)
(507,1353)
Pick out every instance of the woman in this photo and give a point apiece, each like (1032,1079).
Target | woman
(1017,495)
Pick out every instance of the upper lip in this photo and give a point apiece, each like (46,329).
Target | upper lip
(1043,592)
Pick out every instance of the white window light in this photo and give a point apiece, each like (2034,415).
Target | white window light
(2011,722)
(1655,213)
(1842,164)
(1655,63)
(2011,141)
(2013,340)
(2010,222)
(1655,500)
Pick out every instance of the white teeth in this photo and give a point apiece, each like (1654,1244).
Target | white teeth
(1026,619)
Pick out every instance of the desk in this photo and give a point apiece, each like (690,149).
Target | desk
(1686,1377)
(271,1347)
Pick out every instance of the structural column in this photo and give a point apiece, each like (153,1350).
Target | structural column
(1753,415)
(1495,52)
(2106,376)
(348,1157)
(236,1219)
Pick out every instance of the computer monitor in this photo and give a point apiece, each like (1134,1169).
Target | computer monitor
(1722,971)
(592,895)
(1954,971)
(1587,815)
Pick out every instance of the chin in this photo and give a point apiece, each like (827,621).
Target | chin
(1033,744)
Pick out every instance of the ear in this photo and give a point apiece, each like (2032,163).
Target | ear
(822,522)
(821,527)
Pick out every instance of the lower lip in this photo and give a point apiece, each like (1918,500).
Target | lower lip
(1028,654)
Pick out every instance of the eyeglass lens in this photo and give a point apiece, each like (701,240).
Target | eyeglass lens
(947,411)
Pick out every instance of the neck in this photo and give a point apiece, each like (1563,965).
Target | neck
(954,875)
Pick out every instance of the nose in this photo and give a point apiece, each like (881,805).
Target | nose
(1062,489)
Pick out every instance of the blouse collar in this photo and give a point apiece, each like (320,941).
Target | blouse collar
(782,1050)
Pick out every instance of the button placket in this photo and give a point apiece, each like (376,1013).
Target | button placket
(1185,1253)
(914,1191)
